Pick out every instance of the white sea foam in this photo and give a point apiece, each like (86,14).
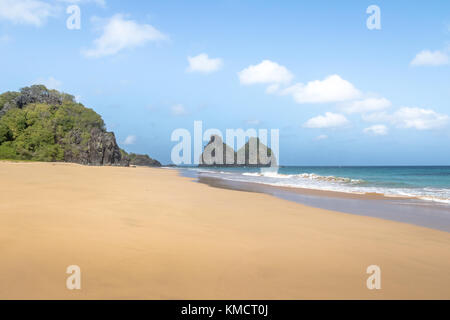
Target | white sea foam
(330,183)
(310,176)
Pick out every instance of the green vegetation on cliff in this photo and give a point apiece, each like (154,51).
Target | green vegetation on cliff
(40,131)
(7,97)
(46,125)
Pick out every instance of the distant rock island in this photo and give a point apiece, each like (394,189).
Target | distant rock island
(39,124)
(253,154)
(216,153)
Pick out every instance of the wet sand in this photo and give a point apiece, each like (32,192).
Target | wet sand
(400,209)
(141,233)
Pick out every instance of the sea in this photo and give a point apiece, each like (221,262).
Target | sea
(430,183)
(414,194)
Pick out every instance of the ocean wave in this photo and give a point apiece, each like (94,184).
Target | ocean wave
(413,193)
(314,181)
(310,176)
(207,171)
(435,199)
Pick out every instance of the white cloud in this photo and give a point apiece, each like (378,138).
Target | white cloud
(377,130)
(130,140)
(30,12)
(178,110)
(377,117)
(266,72)
(50,83)
(321,137)
(329,120)
(332,89)
(202,63)
(119,34)
(367,105)
(420,119)
(406,117)
(272,88)
(430,58)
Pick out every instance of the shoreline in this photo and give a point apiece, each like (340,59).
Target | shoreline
(147,233)
(383,192)
(400,209)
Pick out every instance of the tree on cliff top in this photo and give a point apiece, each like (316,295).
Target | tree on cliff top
(46,125)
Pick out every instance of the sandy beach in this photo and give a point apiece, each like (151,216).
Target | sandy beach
(143,233)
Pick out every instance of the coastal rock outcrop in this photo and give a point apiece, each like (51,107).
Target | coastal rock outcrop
(256,154)
(253,154)
(216,153)
(46,125)
(101,149)
(143,160)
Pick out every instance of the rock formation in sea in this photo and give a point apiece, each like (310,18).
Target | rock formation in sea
(217,153)
(253,154)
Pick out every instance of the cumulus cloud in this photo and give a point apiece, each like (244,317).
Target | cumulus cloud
(329,120)
(416,118)
(332,89)
(367,105)
(420,119)
(377,130)
(50,83)
(430,58)
(130,140)
(202,63)
(118,34)
(377,117)
(273,88)
(178,110)
(28,12)
(267,72)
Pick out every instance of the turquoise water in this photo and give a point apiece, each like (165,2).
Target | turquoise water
(426,183)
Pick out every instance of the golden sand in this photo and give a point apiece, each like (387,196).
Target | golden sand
(141,233)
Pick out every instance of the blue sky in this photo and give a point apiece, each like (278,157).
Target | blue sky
(340,94)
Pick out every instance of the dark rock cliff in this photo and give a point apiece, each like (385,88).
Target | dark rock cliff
(101,149)
(61,130)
